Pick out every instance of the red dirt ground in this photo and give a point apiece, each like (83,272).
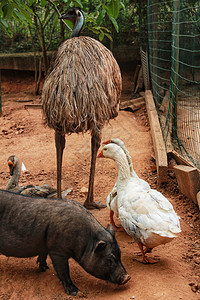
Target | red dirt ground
(175,276)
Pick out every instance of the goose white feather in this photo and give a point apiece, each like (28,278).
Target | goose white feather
(111,200)
(146,215)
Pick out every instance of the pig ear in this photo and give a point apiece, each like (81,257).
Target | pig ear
(111,229)
(100,246)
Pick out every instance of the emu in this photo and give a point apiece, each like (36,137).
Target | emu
(81,93)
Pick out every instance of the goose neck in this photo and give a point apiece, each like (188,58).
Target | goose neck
(123,168)
(13,181)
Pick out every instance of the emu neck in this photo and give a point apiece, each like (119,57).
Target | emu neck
(77,26)
(13,182)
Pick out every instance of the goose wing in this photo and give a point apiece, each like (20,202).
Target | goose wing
(143,215)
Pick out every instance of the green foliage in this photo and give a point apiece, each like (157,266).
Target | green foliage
(17,15)
(14,9)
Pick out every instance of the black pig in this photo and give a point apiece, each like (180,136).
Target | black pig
(63,229)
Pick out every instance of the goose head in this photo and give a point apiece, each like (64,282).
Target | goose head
(117,154)
(116,141)
(75,15)
(112,151)
(13,162)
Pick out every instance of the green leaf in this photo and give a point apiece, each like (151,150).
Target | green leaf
(55,20)
(22,5)
(5,26)
(26,15)
(97,8)
(101,36)
(109,36)
(7,10)
(78,3)
(17,15)
(4,23)
(122,4)
(3,2)
(43,3)
(114,23)
(113,8)
(101,16)
(31,2)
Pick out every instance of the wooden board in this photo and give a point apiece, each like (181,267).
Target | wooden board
(33,106)
(158,142)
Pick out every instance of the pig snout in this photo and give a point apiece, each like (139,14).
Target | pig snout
(120,276)
(126,279)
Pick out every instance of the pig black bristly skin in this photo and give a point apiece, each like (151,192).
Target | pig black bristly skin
(63,229)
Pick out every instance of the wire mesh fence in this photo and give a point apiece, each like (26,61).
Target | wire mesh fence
(174,58)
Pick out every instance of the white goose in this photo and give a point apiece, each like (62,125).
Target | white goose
(30,190)
(146,215)
(111,200)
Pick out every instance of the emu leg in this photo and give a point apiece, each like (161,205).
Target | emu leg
(60,145)
(89,202)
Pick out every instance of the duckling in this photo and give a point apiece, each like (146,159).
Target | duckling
(145,214)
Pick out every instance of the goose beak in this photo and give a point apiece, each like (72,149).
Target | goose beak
(100,154)
(107,142)
(11,166)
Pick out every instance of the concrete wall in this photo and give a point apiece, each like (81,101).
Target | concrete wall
(127,57)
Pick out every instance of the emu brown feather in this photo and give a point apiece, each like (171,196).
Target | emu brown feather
(82,90)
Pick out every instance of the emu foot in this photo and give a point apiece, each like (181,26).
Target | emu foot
(94,205)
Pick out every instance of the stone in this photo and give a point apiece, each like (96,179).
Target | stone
(84,190)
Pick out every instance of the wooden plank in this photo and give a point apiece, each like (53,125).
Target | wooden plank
(158,142)
(130,102)
(179,159)
(33,106)
(23,100)
(188,180)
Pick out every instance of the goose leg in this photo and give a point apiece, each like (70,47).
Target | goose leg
(60,145)
(117,228)
(146,260)
(89,202)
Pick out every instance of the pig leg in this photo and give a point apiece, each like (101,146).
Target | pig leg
(41,260)
(61,267)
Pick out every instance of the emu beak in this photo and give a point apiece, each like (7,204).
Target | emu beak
(100,154)
(64,16)
(107,142)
